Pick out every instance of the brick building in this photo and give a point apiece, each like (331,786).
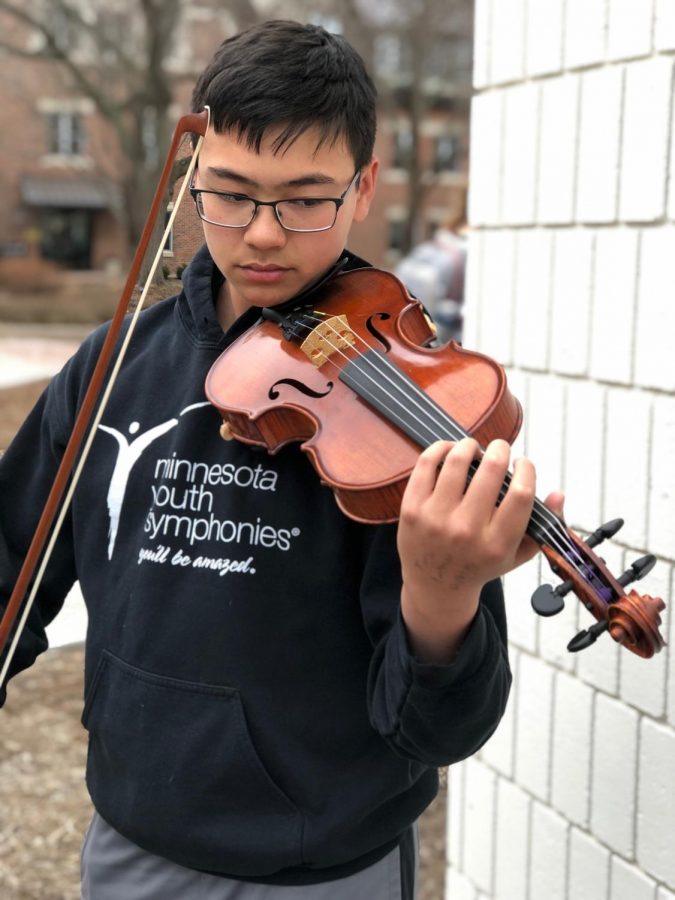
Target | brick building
(58,200)
(62,167)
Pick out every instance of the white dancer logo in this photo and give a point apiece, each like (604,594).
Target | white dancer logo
(127,456)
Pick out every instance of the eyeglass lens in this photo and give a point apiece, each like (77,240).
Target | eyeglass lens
(301,215)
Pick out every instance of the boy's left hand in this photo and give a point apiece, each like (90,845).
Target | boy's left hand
(453,539)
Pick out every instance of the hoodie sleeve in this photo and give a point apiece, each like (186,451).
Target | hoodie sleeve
(27,472)
(433,714)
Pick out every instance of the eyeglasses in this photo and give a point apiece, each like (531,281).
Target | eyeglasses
(294,214)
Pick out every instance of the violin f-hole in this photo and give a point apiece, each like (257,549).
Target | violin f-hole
(305,389)
(370,325)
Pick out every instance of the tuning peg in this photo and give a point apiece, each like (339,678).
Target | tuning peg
(608,530)
(638,570)
(547,601)
(586,638)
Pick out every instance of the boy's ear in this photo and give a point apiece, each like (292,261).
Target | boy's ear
(366,189)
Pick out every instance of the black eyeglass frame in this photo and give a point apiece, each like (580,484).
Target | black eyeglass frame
(338,201)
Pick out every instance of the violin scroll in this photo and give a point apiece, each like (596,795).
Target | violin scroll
(634,622)
(631,619)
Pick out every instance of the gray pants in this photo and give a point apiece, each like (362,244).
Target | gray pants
(113,868)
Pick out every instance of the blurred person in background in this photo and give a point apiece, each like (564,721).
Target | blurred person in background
(434,272)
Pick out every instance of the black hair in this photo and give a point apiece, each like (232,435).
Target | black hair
(293,76)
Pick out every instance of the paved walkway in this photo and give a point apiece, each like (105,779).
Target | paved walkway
(32,354)
(25,357)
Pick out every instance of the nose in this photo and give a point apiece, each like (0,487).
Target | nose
(265,231)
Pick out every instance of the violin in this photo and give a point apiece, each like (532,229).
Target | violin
(349,372)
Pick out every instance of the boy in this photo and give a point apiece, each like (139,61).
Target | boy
(269,685)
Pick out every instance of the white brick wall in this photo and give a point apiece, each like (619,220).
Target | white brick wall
(585,414)
(626,469)
(521,109)
(599,143)
(544,37)
(614,774)
(655,324)
(629,883)
(496,330)
(507,44)
(532,298)
(571,749)
(571,308)
(571,287)
(558,146)
(656,811)
(584,33)
(664,30)
(614,298)
(630,28)
(589,867)
(646,121)
(486,152)
(479,801)
(548,860)
(512,851)
(534,708)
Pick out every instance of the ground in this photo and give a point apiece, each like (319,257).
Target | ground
(44,806)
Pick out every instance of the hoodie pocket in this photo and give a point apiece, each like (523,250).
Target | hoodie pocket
(172,767)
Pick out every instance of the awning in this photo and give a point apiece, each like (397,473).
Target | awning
(68,193)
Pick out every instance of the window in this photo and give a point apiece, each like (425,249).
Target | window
(59,25)
(391,56)
(65,134)
(396,235)
(402,149)
(446,152)
(449,58)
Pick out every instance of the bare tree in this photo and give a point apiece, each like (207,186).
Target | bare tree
(424,38)
(119,55)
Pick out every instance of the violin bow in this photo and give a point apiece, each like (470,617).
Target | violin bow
(56,507)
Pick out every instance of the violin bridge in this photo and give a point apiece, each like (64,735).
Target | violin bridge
(329,337)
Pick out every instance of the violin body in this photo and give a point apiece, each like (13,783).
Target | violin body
(272,390)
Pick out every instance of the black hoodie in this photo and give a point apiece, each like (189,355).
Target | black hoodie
(252,704)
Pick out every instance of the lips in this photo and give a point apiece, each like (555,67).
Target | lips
(264,267)
(263,272)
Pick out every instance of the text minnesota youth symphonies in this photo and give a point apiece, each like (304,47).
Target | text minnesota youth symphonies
(172,514)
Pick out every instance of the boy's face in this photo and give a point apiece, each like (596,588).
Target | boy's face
(263,263)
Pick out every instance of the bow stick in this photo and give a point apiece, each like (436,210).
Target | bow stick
(49,525)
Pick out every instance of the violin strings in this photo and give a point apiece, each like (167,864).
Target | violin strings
(541,515)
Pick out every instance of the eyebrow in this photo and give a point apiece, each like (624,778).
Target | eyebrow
(310,178)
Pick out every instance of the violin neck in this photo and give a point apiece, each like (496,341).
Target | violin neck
(543,527)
